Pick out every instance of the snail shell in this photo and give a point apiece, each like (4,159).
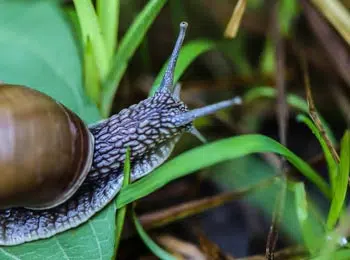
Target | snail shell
(46,150)
(56,173)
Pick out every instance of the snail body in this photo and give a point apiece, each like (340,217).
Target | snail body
(56,172)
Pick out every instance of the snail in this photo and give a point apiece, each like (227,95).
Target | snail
(56,172)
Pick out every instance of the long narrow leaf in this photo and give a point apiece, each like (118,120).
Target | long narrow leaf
(293,100)
(90,29)
(127,47)
(331,163)
(342,182)
(158,251)
(342,254)
(92,82)
(337,14)
(108,15)
(219,151)
(188,54)
(122,211)
(192,50)
(235,20)
(310,237)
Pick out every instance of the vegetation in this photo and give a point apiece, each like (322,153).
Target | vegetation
(271,182)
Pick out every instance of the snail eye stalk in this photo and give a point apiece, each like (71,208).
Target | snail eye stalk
(188,117)
(168,79)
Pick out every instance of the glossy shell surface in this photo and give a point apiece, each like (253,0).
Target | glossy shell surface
(46,150)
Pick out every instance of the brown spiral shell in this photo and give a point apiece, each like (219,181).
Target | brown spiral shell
(46,150)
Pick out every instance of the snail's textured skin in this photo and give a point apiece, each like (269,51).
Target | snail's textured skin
(147,128)
(150,128)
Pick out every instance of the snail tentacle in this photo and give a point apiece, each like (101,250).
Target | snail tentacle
(150,128)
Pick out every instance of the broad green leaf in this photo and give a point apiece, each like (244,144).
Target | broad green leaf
(332,164)
(127,47)
(219,151)
(94,240)
(156,250)
(108,15)
(122,211)
(38,49)
(90,29)
(188,54)
(293,100)
(341,182)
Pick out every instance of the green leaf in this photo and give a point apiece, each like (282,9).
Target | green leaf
(219,151)
(288,11)
(311,239)
(235,49)
(37,49)
(332,164)
(158,251)
(94,240)
(341,182)
(90,29)
(122,211)
(108,15)
(342,254)
(267,62)
(91,77)
(293,100)
(127,47)
(193,49)
(188,54)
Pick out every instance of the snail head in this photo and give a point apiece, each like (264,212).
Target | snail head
(152,127)
(173,112)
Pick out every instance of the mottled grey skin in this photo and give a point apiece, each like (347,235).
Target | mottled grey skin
(150,128)
(146,128)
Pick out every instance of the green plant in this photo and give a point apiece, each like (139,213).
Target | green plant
(84,74)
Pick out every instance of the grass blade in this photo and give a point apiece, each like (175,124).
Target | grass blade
(331,163)
(90,29)
(193,49)
(313,111)
(92,82)
(311,240)
(337,14)
(267,63)
(120,217)
(341,182)
(127,48)
(293,100)
(158,251)
(226,149)
(108,15)
(342,254)
(190,208)
(235,20)
(288,11)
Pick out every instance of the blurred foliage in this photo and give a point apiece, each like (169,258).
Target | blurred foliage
(98,57)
